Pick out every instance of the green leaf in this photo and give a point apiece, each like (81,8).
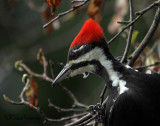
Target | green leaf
(134,35)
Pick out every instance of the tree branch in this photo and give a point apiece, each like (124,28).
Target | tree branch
(74,1)
(87,121)
(147,38)
(145,67)
(140,13)
(76,102)
(157,3)
(44,76)
(130,33)
(24,102)
(66,12)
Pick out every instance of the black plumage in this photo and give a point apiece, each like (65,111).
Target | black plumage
(138,106)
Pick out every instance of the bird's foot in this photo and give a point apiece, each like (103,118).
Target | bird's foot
(98,108)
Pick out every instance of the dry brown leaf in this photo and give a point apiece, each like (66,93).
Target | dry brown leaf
(95,9)
(53,4)
(32,93)
(40,56)
(46,15)
(138,62)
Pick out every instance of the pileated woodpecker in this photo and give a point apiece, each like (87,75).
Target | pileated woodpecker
(133,97)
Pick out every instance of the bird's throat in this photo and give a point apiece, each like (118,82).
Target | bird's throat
(111,70)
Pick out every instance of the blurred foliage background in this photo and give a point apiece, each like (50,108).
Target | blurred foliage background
(22,35)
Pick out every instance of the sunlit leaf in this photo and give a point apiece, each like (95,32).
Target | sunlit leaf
(134,35)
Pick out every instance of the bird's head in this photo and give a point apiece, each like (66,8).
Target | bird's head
(86,52)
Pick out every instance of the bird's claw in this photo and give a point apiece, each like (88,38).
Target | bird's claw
(99,109)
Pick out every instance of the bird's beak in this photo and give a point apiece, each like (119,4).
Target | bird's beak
(62,75)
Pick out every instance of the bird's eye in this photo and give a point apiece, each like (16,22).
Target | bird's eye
(74,55)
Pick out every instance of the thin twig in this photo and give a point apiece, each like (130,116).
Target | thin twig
(81,120)
(76,102)
(11,101)
(157,3)
(102,93)
(145,67)
(123,29)
(67,118)
(66,12)
(87,121)
(52,68)
(74,1)
(123,22)
(130,33)
(45,65)
(59,109)
(42,76)
(24,90)
(87,117)
(132,22)
(146,39)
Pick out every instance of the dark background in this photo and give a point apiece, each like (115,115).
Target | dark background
(21,36)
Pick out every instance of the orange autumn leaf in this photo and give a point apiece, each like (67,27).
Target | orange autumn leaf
(48,13)
(40,56)
(46,16)
(32,93)
(95,10)
(53,4)
(138,62)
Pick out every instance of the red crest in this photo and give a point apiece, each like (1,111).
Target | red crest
(90,32)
